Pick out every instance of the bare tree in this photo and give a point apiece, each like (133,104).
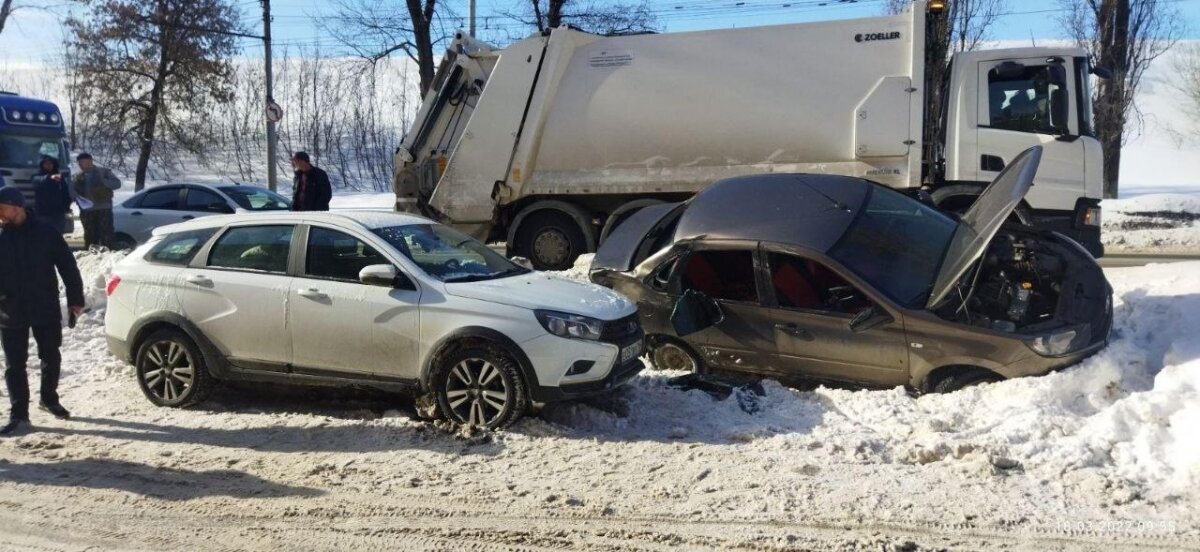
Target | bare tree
(143,63)
(1124,36)
(6,9)
(966,22)
(1185,68)
(375,30)
(595,16)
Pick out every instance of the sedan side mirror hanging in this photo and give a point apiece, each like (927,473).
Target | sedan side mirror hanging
(695,311)
(869,318)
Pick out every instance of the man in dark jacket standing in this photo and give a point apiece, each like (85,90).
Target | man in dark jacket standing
(30,253)
(311,189)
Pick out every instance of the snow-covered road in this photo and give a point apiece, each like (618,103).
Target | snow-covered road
(1100,455)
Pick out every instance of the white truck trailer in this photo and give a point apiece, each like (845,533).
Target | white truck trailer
(550,142)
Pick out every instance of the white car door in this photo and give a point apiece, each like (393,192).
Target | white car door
(156,207)
(238,295)
(340,325)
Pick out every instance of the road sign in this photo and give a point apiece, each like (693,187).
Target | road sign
(274,112)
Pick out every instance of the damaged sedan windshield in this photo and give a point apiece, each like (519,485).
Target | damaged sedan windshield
(897,244)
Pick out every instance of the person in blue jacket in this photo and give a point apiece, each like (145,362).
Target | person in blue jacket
(32,252)
(52,195)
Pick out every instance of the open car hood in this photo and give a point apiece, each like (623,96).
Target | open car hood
(981,222)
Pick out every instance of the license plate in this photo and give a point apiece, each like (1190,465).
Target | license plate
(631,352)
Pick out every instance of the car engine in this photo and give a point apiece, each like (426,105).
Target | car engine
(1018,286)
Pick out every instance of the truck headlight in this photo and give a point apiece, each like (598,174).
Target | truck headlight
(1091,217)
(570,325)
(1060,342)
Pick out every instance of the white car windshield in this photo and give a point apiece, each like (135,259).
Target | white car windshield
(447,254)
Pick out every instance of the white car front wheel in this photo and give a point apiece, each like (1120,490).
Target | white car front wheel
(480,386)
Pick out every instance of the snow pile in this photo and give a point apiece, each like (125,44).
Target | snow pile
(1126,414)
(1155,223)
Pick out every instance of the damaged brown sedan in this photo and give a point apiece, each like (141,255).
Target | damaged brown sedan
(798,276)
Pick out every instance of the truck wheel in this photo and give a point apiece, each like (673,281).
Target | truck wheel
(480,386)
(551,240)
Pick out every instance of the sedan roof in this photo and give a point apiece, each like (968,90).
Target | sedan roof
(811,210)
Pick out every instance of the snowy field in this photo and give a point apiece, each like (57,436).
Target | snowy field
(1100,455)
(1152,223)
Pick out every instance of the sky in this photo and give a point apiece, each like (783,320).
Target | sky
(33,34)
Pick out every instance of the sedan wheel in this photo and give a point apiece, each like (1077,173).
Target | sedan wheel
(480,387)
(170,370)
(669,355)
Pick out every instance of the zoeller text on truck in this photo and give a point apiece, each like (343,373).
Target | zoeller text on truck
(549,143)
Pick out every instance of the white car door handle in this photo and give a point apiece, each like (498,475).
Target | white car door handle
(199,280)
(312,293)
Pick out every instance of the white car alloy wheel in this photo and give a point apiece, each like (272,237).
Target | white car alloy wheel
(170,370)
(480,387)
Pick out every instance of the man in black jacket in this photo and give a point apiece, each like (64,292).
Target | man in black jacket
(30,253)
(311,191)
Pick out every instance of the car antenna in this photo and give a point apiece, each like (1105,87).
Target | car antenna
(836,204)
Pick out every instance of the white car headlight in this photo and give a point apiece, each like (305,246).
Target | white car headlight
(570,325)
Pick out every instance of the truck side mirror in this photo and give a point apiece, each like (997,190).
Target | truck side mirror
(1102,72)
(695,311)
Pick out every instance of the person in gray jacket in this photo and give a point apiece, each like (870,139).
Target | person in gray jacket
(94,186)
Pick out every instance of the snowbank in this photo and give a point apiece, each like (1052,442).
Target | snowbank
(1127,413)
(1154,223)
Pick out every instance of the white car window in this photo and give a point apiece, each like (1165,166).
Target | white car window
(261,248)
(334,255)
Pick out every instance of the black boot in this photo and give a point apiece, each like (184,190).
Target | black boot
(56,409)
(15,427)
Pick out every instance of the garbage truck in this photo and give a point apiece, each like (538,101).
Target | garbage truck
(549,143)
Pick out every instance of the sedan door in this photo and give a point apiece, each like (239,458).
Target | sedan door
(236,292)
(200,202)
(342,326)
(743,341)
(155,207)
(813,307)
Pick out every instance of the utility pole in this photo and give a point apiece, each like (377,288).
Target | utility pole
(471,16)
(271,137)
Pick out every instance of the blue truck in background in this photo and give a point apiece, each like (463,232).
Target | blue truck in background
(29,130)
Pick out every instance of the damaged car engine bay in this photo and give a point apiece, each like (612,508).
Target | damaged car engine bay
(1016,286)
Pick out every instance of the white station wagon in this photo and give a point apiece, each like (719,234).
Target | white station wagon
(384,300)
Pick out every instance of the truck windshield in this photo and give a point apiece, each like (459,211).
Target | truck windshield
(897,244)
(447,254)
(1027,99)
(26,152)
